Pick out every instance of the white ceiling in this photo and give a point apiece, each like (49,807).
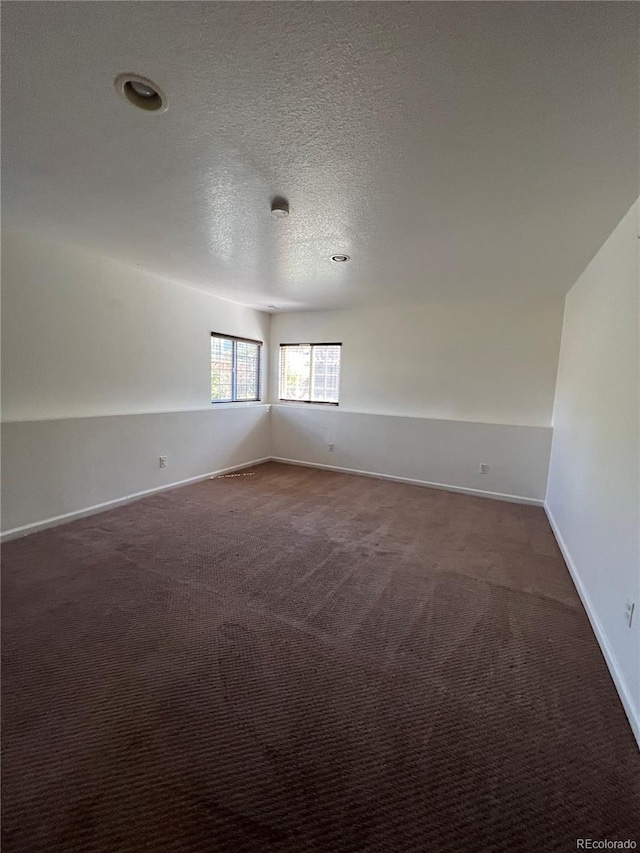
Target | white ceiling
(452,149)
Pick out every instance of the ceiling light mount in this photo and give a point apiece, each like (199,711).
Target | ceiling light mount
(141,92)
(279,207)
(340,259)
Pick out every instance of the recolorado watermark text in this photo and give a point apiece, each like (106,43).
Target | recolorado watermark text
(605,844)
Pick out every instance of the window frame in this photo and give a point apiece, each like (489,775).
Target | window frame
(312,345)
(234,368)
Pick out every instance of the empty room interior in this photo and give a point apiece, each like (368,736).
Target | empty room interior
(320,427)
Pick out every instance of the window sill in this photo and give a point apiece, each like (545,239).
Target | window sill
(305,403)
(238,404)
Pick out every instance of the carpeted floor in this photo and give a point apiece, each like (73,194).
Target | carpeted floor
(297,660)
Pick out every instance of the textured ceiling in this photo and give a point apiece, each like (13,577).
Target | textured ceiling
(452,149)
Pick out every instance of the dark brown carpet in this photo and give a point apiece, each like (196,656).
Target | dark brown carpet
(296,660)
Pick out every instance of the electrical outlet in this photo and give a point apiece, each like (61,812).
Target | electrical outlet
(163,461)
(484,468)
(332,447)
(629,611)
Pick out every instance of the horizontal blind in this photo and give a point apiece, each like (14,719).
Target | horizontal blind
(325,373)
(247,370)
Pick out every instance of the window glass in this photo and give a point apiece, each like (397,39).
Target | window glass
(235,369)
(310,373)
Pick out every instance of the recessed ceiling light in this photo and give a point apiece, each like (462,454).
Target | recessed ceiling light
(280,207)
(340,259)
(141,92)
(141,89)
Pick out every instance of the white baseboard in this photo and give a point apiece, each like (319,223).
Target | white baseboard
(478,493)
(598,630)
(26,529)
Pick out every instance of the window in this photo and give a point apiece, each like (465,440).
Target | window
(310,373)
(235,369)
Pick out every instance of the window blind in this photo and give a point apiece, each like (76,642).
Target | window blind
(235,369)
(310,373)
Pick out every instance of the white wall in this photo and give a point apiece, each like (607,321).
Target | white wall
(593,490)
(83,335)
(421,450)
(56,468)
(85,339)
(489,362)
(444,386)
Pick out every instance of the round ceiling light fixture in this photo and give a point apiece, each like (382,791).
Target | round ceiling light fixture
(340,259)
(280,207)
(141,92)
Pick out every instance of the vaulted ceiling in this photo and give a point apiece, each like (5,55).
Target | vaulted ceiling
(453,150)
